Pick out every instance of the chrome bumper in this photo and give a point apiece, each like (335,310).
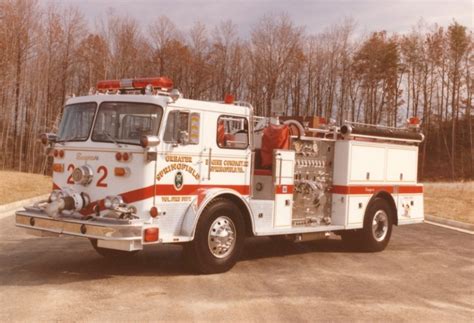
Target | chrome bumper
(94,228)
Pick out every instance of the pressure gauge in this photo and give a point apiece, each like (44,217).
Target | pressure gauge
(298,146)
(315,148)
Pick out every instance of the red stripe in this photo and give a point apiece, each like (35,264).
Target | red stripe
(410,189)
(163,189)
(284,189)
(341,189)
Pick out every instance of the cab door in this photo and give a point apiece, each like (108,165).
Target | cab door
(229,160)
(180,161)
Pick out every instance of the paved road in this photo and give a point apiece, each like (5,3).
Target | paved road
(426,273)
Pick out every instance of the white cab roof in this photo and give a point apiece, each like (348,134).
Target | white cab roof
(164,101)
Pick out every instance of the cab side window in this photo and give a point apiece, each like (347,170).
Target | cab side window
(232,132)
(171,127)
(182,127)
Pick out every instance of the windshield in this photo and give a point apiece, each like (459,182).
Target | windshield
(125,122)
(76,122)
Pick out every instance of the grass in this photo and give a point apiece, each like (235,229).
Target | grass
(15,186)
(450,200)
(446,200)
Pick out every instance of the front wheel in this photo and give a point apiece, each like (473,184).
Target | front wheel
(218,240)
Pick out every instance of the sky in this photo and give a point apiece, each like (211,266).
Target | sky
(315,15)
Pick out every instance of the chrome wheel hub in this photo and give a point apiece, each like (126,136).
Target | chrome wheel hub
(221,238)
(380,225)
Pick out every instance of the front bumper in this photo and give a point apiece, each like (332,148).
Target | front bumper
(130,232)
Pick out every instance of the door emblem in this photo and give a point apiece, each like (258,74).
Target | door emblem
(178,181)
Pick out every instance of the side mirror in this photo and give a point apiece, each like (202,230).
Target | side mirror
(183,137)
(47,138)
(149,141)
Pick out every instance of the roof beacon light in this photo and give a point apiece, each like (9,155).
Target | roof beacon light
(162,83)
(413,123)
(414,120)
(108,85)
(229,99)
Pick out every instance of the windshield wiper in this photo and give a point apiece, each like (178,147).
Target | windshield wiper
(114,140)
(70,139)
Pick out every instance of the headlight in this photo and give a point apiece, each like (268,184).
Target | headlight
(108,202)
(116,201)
(113,202)
(56,195)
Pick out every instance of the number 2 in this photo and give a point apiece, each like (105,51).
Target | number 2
(100,182)
(70,168)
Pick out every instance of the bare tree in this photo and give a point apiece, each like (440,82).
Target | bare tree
(275,41)
(48,52)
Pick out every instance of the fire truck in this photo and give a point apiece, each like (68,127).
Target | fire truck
(136,164)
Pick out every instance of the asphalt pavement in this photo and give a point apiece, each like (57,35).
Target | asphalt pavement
(425,274)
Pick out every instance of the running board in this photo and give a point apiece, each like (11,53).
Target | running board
(305,229)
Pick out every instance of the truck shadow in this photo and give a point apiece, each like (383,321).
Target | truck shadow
(46,261)
(260,248)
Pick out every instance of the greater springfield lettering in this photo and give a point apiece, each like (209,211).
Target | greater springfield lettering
(179,159)
(177,166)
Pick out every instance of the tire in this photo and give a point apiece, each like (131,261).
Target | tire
(112,253)
(377,226)
(351,239)
(377,229)
(209,253)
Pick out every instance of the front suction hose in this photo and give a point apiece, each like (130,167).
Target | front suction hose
(70,201)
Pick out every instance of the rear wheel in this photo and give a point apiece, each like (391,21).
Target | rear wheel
(218,240)
(112,253)
(377,229)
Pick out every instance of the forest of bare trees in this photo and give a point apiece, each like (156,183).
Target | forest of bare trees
(48,53)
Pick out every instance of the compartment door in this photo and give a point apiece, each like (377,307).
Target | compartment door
(284,169)
(367,163)
(402,164)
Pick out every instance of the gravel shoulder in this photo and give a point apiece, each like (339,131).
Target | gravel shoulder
(450,200)
(15,186)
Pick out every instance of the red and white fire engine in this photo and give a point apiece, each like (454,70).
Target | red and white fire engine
(136,164)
